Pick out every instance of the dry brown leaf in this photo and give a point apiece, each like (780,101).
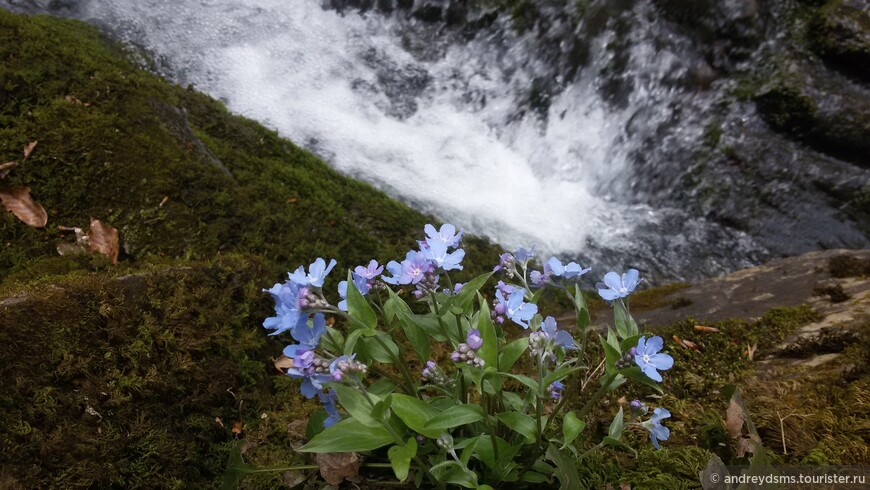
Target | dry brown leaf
(283,363)
(335,467)
(734,419)
(238,428)
(17,200)
(7,167)
(28,148)
(704,328)
(218,421)
(624,486)
(103,238)
(163,201)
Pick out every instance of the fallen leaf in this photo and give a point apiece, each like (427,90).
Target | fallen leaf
(218,421)
(292,200)
(703,328)
(335,467)
(103,238)
(7,167)
(164,201)
(688,344)
(734,419)
(17,200)
(238,428)
(283,363)
(28,148)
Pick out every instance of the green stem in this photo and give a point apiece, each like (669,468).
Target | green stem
(440,321)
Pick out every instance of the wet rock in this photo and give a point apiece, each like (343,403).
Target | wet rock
(840,33)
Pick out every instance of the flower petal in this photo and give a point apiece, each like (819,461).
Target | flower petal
(613,281)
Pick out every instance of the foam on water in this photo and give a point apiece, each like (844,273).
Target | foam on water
(457,148)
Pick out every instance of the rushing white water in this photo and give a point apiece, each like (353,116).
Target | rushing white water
(444,125)
(444,135)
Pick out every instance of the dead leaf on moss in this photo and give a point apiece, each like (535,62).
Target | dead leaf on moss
(17,200)
(335,467)
(7,167)
(238,429)
(704,328)
(734,419)
(283,363)
(103,238)
(28,148)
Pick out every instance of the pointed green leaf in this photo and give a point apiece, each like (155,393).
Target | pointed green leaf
(611,355)
(349,435)
(415,413)
(401,456)
(571,428)
(519,422)
(358,307)
(395,307)
(236,469)
(636,374)
(581,309)
(455,416)
(511,352)
(469,290)
(566,467)
(356,404)
(489,350)
(617,425)
(377,352)
(532,384)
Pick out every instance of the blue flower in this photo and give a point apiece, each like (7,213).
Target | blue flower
(523,255)
(317,272)
(515,309)
(437,255)
(308,337)
(370,272)
(657,431)
(559,337)
(555,390)
(361,285)
(328,399)
(474,340)
(554,267)
(505,261)
(409,271)
(649,360)
(447,235)
(615,287)
(287,307)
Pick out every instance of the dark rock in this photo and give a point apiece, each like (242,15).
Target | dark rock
(840,33)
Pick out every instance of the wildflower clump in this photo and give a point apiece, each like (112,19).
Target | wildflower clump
(474,420)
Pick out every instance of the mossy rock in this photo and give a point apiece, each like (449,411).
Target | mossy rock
(170,168)
(840,33)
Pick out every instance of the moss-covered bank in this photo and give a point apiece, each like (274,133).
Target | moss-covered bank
(170,168)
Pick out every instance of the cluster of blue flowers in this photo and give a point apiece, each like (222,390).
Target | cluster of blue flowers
(300,306)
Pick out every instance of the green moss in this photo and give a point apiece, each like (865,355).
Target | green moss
(786,108)
(171,168)
(840,33)
(119,381)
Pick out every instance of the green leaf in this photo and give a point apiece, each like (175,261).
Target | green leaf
(353,338)
(489,350)
(358,307)
(356,404)
(571,428)
(617,425)
(581,309)
(625,325)
(628,343)
(401,456)
(535,477)
(418,337)
(490,381)
(611,355)
(381,411)
(455,473)
(455,416)
(469,290)
(430,324)
(559,374)
(377,351)
(415,413)
(636,374)
(519,422)
(236,469)
(566,467)
(511,352)
(349,435)
(382,387)
(532,384)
